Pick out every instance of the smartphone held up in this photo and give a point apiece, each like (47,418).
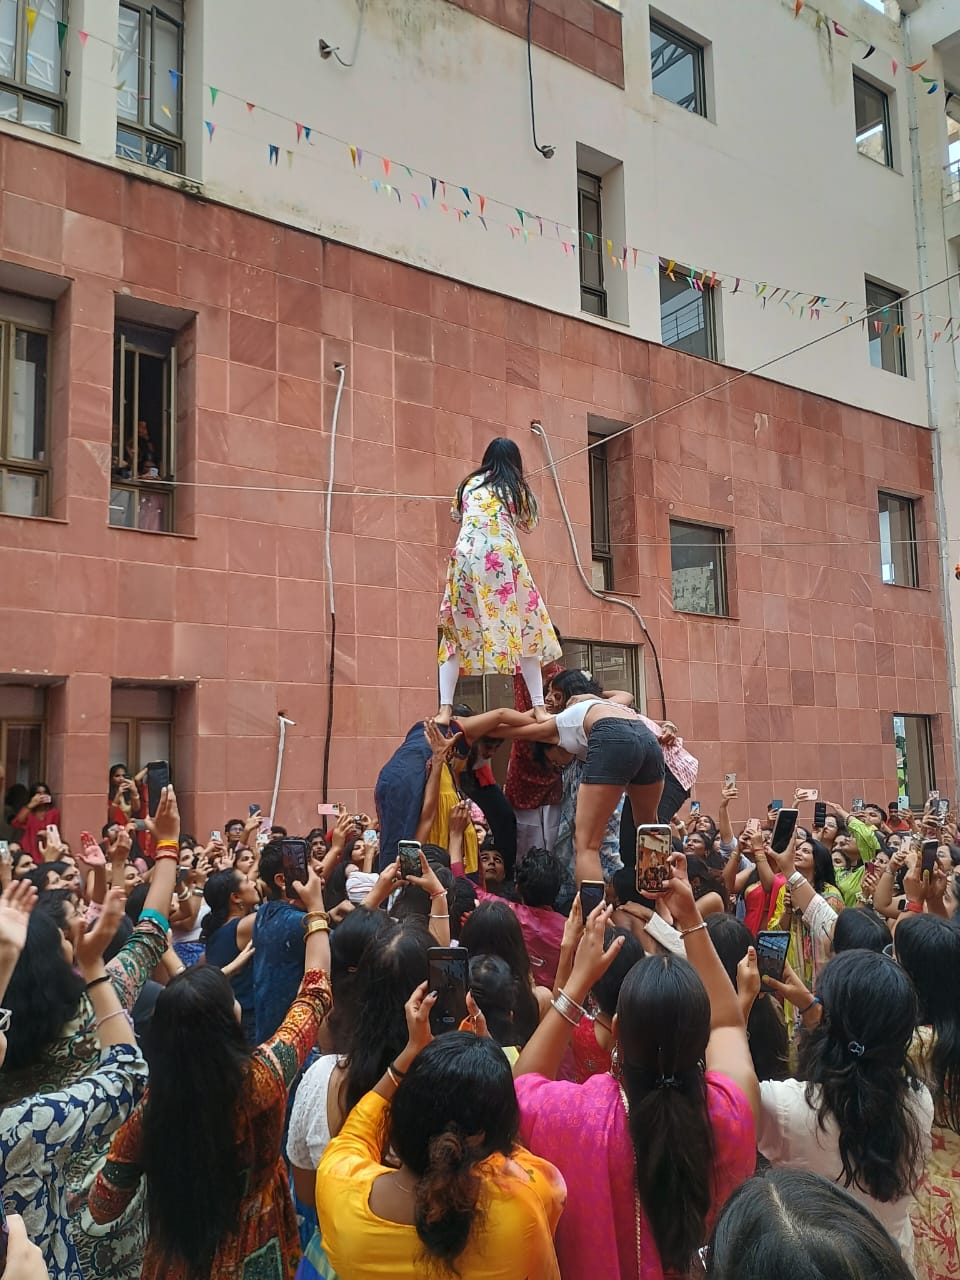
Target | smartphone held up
(654,846)
(448,973)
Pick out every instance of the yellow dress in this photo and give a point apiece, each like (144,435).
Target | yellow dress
(936,1209)
(440,831)
(522,1199)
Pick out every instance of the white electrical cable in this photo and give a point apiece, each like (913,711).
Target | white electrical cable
(276,779)
(328,559)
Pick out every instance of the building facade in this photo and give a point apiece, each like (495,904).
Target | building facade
(208,223)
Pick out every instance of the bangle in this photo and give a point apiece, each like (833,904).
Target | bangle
(915,907)
(574,1022)
(394,1078)
(396,1070)
(157,917)
(795,880)
(316,926)
(564,1005)
(168,844)
(166,857)
(117,1013)
(316,915)
(434,916)
(95,982)
(815,1000)
(694,928)
(183,897)
(439,894)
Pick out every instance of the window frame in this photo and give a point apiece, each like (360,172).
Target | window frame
(928,767)
(909,548)
(144,127)
(886,298)
(597,293)
(697,51)
(38,469)
(869,87)
(585,651)
(23,722)
(133,726)
(20,89)
(708,296)
(721,577)
(136,485)
(600,544)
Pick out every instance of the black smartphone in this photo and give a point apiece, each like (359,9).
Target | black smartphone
(694,808)
(408,855)
(448,973)
(928,858)
(772,953)
(894,807)
(591,895)
(295,853)
(819,815)
(158,777)
(654,846)
(254,808)
(783,829)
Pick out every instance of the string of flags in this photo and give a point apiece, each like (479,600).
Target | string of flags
(380,173)
(831,27)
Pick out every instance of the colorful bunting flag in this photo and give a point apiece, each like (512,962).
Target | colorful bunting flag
(274,152)
(31,20)
(917,65)
(838,29)
(797,7)
(213,95)
(893,66)
(299,130)
(386,167)
(175,78)
(61,33)
(872,49)
(83,37)
(210,128)
(250,107)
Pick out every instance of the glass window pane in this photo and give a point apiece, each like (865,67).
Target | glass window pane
(128,67)
(154,738)
(43,47)
(676,69)
(685,318)
(24,754)
(122,508)
(576,655)
(28,422)
(22,494)
(613,667)
(898,540)
(8,39)
(166,92)
(696,559)
(870,110)
(887,347)
(119,743)
(129,145)
(9,106)
(915,771)
(161,156)
(40,115)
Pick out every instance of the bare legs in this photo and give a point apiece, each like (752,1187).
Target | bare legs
(596,801)
(449,674)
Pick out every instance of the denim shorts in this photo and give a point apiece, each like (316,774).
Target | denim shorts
(622,752)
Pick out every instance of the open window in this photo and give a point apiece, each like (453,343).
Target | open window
(144,428)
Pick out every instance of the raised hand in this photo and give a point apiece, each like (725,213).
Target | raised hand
(18,900)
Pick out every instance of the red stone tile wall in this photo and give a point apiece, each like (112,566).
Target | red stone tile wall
(798,685)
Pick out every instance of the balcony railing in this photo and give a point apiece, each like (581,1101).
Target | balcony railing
(951,182)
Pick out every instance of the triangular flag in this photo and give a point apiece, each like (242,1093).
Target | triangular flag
(274,152)
(375,183)
(635,257)
(917,65)
(821,19)
(31,20)
(175,77)
(166,110)
(433,188)
(929,79)
(353,156)
(933,88)
(736,287)
(838,29)
(250,106)
(299,131)
(83,37)
(386,167)
(520,216)
(121,86)
(670,265)
(210,128)
(213,95)
(61,33)
(893,66)
(483,203)
(409,171)
(872,49)
(797,7)
(483,223)
(590,238)
(306,132)
(396,192)
(466,193)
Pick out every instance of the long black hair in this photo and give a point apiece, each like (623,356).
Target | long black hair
(348,942)
(217,892)
(824,872)
(393,964)
(495,990)
(573,682)
(502,470)
(860,929)
(792,1223)
(43,994)
(766,1028)
(663,1019)
(858,1071)
(606,989)
(494,930)
(194,1040)
(928,947)
(455,1107)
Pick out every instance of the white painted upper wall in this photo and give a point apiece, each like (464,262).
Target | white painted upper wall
(770,187)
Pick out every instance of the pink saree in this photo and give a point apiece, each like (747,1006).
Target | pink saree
(582,1129)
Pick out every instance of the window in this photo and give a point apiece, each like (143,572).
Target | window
(593,296)
(688,318)
(898,540)
(144,423)
(885,329)
(141,725)
(676,65)
(31,79)
(913,740)
(22,723)
(24,404)
(871,108)
(698,568)
(600,515)
(150,85)
(616,666)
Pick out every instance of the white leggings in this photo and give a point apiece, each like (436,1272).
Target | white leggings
(529,669)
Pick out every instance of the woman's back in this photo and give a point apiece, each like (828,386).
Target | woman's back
(582,1129)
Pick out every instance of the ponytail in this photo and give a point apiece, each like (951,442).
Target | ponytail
(447,1196)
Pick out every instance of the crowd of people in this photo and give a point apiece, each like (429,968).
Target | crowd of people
(219,1061)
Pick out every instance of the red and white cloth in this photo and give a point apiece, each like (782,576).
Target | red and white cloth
(680,762)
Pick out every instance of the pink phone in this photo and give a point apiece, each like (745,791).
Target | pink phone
(328,810)
(54,831)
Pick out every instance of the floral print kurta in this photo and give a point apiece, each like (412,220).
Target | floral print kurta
(492,613)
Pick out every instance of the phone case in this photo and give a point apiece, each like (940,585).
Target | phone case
(654,845)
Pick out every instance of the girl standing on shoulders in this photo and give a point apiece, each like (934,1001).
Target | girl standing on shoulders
(492,617)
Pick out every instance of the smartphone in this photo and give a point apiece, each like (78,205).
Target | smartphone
(54,831)
(933,799)
(370,836)
(928,858)
(158,777)
(654,846)
(904,804)
(328,810)
(943,808)
(870,868)
(294,854)
(4,850)
(183,874)
(808,793)
(139,824)
(856,804)
(772,953)
(783,829)
(776,805)
(591,895)
(729,779)
(694,808)
(254,808)
(408,855)
(448,973)
(819,815)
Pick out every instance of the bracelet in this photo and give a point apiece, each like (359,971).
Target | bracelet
(574,1022)
(563,1004)
(316,915)
(117,1013)
(815,1000)
(796,879)
(395,1079)
(183,897)
(168,844)
(316,926)
(439,894)
(439,917)
(166,857)
(97,981)
(157,917)
(396,1070)
(694,928)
